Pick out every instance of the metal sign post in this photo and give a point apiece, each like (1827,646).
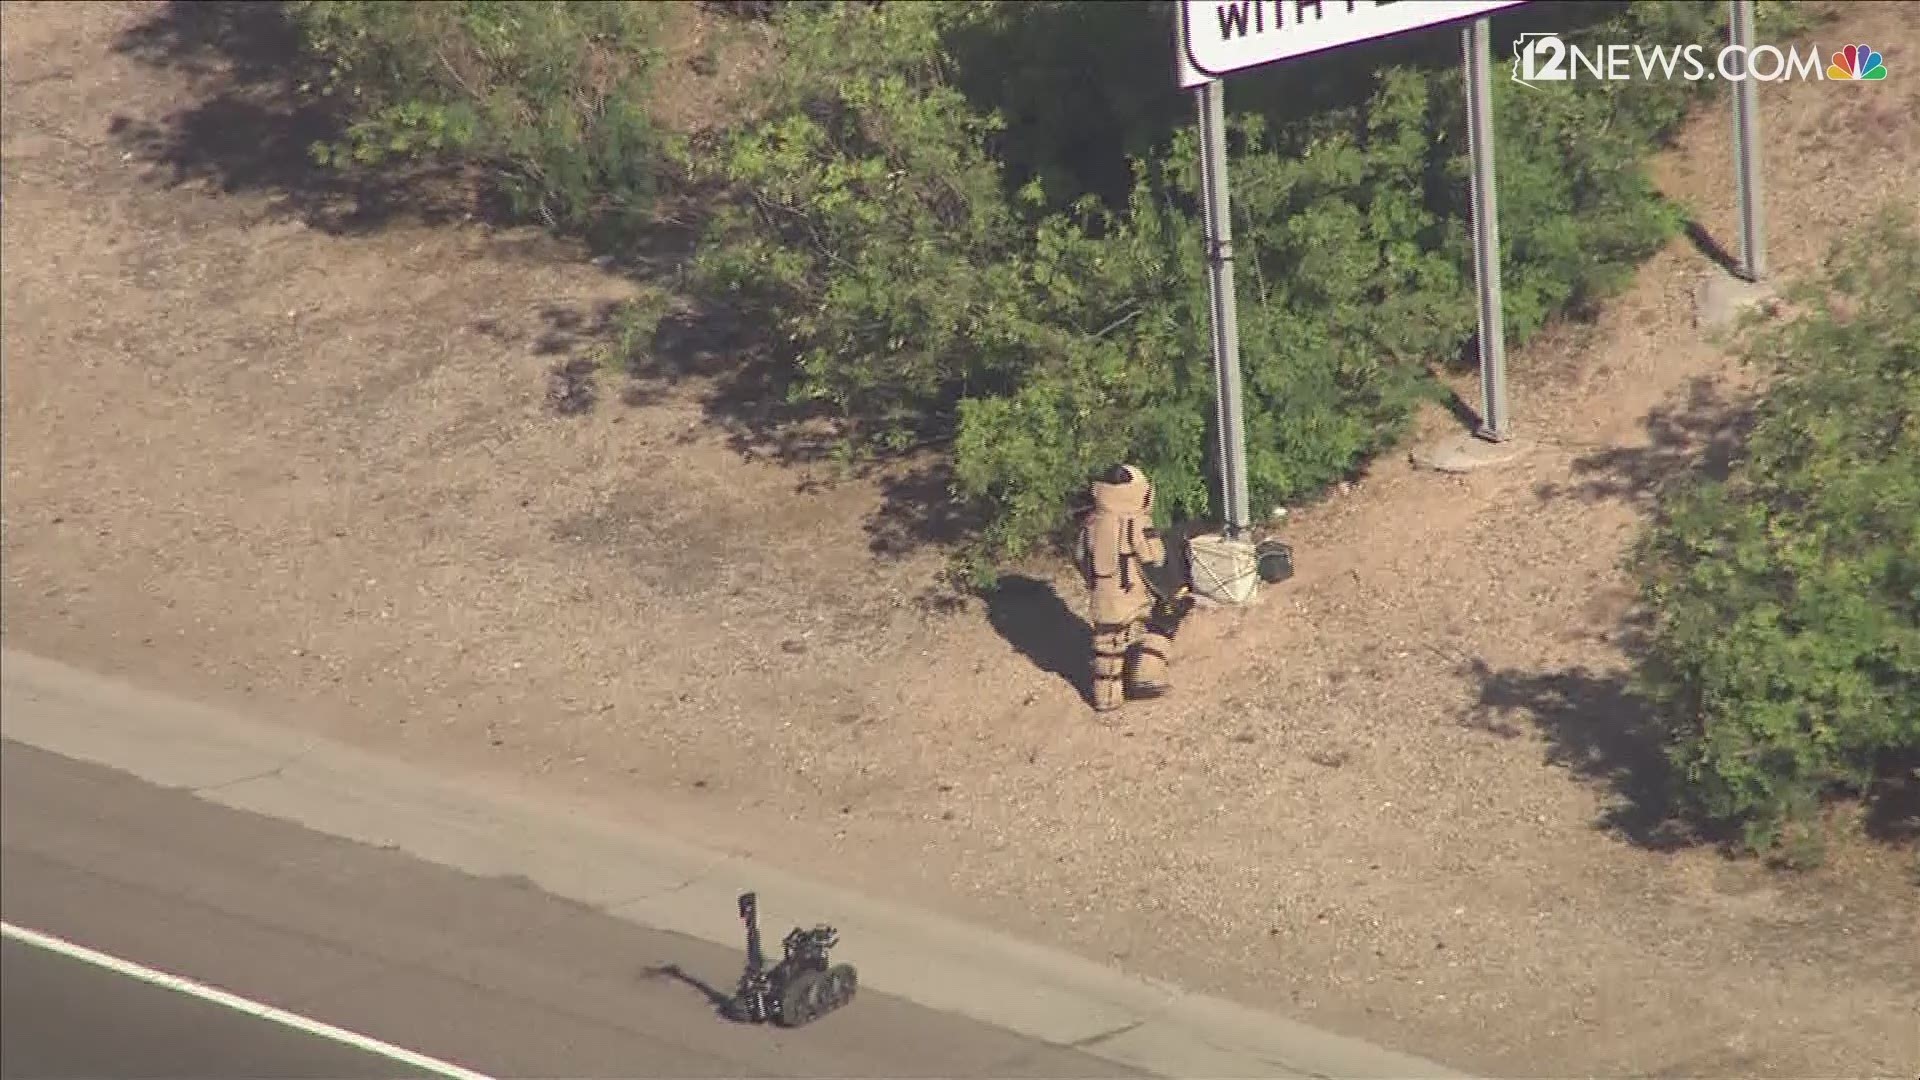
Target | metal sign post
(1215,38)
(1495,424)
(1226,322)
(1746,138)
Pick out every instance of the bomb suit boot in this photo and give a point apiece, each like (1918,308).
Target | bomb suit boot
(1117,538)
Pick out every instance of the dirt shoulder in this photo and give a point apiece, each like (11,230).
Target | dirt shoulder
(263,455)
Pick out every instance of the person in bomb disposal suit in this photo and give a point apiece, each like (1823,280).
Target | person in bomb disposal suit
(1132,617)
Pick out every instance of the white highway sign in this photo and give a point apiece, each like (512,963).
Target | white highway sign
(1218,37)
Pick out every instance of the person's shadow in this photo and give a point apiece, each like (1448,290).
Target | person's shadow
(1032,617)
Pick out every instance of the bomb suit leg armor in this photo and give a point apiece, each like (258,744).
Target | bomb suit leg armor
(1111,644)
(1116,539)
(1148,674)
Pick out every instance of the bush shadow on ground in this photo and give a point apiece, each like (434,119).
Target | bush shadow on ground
(1595,724)
(1599,730)
(918,509)
(1699,437)
(251,132)
(744,390)
(1032,617)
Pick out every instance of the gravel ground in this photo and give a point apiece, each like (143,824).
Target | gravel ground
(261,452)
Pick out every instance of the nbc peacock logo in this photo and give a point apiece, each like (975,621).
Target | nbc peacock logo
(1856,63)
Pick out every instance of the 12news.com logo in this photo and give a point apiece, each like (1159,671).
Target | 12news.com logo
(1546,57)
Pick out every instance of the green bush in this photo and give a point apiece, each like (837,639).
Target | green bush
(975,226)
(1786,651)
(546,97)
(935,279)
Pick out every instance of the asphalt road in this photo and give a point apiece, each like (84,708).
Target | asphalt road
(69,1020)
(488,973)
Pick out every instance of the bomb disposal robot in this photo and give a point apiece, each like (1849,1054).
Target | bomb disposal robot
(799,989)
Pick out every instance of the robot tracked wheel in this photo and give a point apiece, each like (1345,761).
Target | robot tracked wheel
(815,993)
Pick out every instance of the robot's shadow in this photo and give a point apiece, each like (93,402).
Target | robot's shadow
(722,1003)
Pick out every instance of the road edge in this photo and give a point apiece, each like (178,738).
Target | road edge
(659,882)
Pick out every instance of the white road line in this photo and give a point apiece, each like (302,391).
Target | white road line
(238,1004)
